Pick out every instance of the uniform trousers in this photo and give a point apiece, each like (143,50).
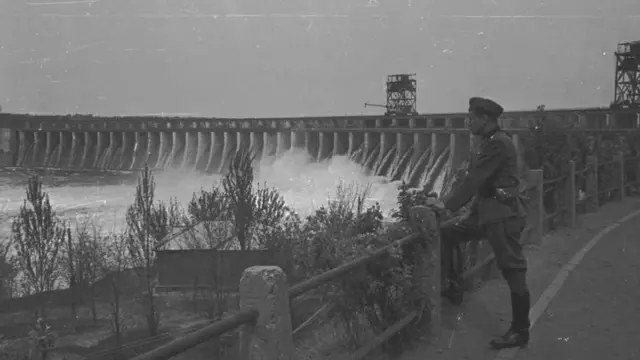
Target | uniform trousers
(504,238)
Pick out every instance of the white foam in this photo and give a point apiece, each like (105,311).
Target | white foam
(305,185)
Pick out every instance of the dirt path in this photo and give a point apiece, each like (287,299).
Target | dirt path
(486,312)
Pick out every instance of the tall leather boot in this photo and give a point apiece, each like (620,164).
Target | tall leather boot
(514,315)
(518,334)
(454,292)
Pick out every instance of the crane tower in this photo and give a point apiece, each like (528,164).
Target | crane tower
(401,95)
(627,91)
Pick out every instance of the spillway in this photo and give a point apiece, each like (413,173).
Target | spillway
(420,150)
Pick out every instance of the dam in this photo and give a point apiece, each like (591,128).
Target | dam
(419,150)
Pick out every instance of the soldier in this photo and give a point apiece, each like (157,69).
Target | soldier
(496,215)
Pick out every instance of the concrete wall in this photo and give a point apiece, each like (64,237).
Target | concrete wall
(186,269)
(7,146)
(414,149)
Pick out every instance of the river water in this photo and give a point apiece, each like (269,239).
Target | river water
(305,185)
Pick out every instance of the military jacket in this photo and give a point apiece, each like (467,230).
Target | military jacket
(495,167)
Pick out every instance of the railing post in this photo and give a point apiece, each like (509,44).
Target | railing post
(265,288)
(538,206)
(571,194)
(534,230)
(591,185)
(611,121)
(428,266)
(636,168)
(570,141)
(620,158)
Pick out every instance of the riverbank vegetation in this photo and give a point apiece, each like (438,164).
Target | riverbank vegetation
(110,277)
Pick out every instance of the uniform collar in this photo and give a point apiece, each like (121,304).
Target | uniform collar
(490,131)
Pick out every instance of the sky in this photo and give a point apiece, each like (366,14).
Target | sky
(291,58)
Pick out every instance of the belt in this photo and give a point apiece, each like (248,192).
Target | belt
(503,196)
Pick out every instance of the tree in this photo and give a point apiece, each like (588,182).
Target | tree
(117,261)
(251,208)
(92,256)
(269,207)
(207,212)
(38,237)
(7,272)
(148,225)
(208,205)
(72,268)
(238,187)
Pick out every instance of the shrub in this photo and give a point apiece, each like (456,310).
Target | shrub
(368,300)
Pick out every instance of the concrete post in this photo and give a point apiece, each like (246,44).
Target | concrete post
(592,189)
(50,145)
(536,215)
(229,149)
(610,121)
(283,142)
(325,148)
(312,144)
(23,142)
(265,289)
(620,176)
(571,194)
(7,147)
(355,150)
(428,267)
(582,121)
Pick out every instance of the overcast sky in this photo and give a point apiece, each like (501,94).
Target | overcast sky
(228,58)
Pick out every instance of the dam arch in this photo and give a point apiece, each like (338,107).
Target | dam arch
(419,150)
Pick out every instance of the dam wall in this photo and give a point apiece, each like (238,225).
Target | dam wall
(420,150)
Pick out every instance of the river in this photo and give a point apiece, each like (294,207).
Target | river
(304,184)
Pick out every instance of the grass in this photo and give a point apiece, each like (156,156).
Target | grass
(82,336)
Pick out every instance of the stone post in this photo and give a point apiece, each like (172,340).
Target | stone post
(635,165)
(428,266)
(620,176)
(8,147)
(571,194)
(265,289)
(610,121)
(536,212)
(592,188)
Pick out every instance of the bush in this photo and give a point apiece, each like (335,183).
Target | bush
(366,301)
(238,214)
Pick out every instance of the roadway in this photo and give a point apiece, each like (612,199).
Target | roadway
(585,287)
(596,314)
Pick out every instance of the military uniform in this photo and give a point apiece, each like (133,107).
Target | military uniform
(496,215)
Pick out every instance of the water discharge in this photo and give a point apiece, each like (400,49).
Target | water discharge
(304,183)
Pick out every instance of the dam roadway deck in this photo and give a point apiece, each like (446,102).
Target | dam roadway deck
(414,149)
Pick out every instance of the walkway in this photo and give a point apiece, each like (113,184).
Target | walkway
(594,316)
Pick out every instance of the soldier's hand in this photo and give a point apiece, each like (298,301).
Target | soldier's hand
(434,202)
(431,194)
